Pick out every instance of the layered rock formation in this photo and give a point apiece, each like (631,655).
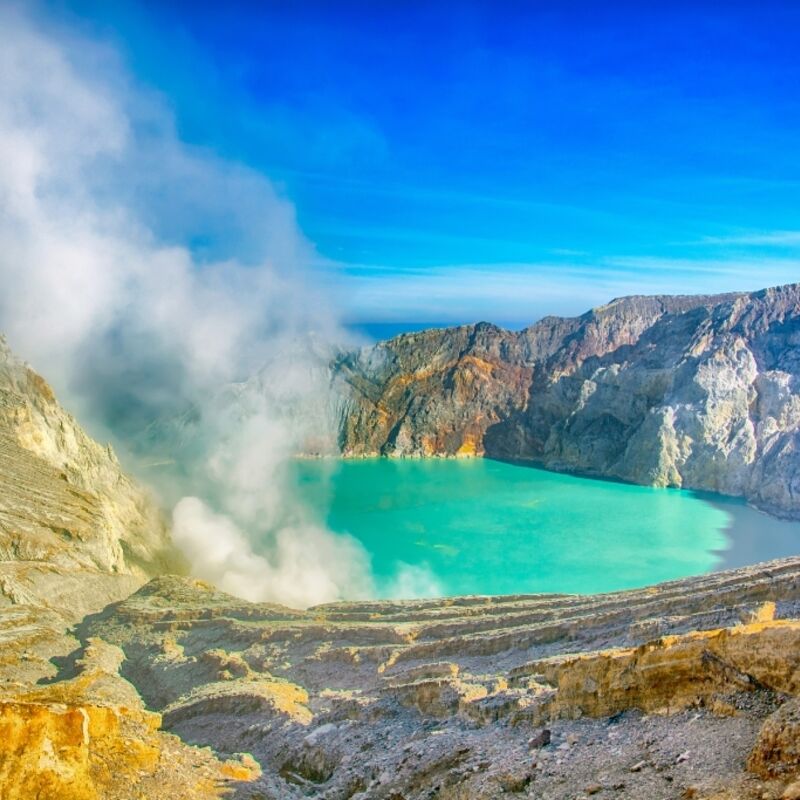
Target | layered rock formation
(75,531)
(666,692)
(82,732)
(699,392)
(689,689)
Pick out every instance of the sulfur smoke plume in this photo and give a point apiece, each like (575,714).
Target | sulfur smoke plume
(205,366)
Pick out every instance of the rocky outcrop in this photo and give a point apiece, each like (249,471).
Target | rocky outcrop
(699,392)
(75,531)
(432,393)
(89,737)
(76,534)
(777,751)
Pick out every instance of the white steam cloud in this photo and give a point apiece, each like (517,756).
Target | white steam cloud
(212,366)
(307,564)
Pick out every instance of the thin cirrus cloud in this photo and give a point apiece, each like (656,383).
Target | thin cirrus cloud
(521,293)
(779,238)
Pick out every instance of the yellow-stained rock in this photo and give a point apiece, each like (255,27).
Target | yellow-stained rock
(777,751)
(88,752)
(673,672)
(72,752)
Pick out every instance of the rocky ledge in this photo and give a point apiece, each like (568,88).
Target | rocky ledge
(697,391)
(686,689)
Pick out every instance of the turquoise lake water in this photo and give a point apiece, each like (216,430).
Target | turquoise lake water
(486,527)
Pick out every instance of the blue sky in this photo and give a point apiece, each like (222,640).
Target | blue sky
(495,160)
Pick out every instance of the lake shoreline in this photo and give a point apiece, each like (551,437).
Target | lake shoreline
(528,530)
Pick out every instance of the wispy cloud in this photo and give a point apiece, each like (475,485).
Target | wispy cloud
(780,238)
(525,292)
(697,274)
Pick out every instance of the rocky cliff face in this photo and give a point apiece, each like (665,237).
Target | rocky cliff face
(76,534)
(699,392)
(75,531)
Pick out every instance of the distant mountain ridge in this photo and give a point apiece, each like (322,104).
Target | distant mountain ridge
(692,391)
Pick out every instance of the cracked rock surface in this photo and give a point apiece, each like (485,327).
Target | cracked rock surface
(666,692)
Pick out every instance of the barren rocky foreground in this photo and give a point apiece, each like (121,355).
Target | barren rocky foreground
(119,680)
(688,689)
(681,690)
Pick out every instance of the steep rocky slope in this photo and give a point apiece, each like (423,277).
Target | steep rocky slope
(699,392)
(75,531)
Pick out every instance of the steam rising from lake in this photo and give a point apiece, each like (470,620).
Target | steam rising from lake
(210,363)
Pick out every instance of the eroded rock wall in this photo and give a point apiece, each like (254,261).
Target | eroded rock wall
(698,392)
(75,531)
(77,534)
